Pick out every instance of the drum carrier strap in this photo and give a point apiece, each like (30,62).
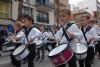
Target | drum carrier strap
(64,31)
(84,32)
(27,32)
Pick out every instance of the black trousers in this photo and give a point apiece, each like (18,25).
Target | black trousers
(42,50)
(97,48)
(32,54)
(13,59)
(87,60)
(71,63)
(53,45)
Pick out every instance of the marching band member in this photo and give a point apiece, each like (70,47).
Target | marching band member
(18,38)
(89,34)
(73,32)
(31,34)
(44,38)
(97,47)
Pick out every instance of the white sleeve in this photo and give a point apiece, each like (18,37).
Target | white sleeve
(36,33)
(59,34)
(96,37)
(77,32)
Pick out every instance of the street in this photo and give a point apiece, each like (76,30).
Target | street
(5,62)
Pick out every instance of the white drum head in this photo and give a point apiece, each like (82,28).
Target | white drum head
(19,50)
(38,42)
(57,50)
(81,48)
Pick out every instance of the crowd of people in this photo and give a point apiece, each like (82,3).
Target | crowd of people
(87,32)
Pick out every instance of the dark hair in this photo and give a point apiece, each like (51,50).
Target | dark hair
(29,18)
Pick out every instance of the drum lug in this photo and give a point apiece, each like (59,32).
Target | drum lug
(55,60)
(62,57)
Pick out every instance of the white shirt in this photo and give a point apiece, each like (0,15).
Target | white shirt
(34,33)
(21,36)
(91,32)
(44,36)
(73,28)
(97,28)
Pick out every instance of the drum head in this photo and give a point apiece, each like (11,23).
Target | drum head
(58,50)
(38,42)
(19,50)
(81,48)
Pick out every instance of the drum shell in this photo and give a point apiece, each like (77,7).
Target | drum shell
(81,56)
(62,57)
(8,48)
(81,51)
(23,54)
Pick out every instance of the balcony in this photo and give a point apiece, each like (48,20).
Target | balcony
(44,5)
(7,0)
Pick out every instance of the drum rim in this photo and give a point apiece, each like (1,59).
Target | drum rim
(22,59)
(81,53)
(60,52)
(21,52)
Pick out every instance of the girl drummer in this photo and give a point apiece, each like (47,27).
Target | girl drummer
(18,36)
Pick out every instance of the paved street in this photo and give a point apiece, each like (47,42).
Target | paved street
(5,62)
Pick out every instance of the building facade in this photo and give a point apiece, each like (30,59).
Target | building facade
(41,10)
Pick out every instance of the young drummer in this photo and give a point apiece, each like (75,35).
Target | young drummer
(43,38)
(18,36)
(31,34)
(73,32)
(89,34)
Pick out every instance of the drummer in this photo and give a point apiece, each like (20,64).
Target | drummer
(44,38)
(17,39)
(31,34)
(73,31)
(89,34)
(97,47)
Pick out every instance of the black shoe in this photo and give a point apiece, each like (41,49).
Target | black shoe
(42,60)
(0,55)
(92,62)
(37,59)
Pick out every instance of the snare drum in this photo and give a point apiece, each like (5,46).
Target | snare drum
(38,43)
(81,51)
(21,52)
(60,55)
(8,47)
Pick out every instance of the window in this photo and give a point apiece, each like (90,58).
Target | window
(4,10)
(26,1)
(25,11)
(42,1)
(42,17)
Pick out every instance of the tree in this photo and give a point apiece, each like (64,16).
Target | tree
(56,10)
(20,6)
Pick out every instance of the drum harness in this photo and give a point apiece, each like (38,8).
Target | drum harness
(84,32)
(64,32)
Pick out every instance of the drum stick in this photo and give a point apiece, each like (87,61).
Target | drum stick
(57,43)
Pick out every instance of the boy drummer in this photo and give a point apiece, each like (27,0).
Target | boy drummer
(31,34)
(73,31)
(89,34)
